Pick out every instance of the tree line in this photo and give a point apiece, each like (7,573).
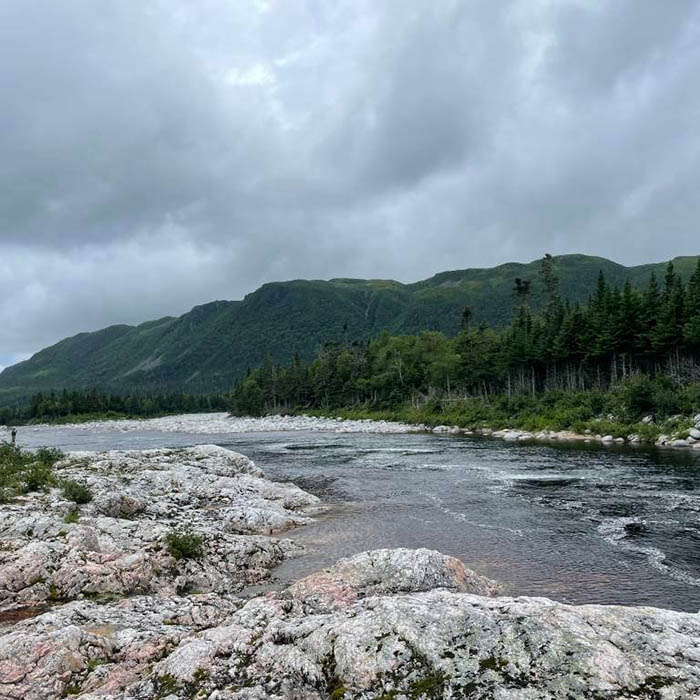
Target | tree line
(616,334)
(53,406)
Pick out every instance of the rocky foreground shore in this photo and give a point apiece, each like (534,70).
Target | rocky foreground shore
(95,604)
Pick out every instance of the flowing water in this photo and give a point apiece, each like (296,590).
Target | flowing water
(577,523)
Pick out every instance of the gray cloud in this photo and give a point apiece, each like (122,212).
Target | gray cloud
(155,155)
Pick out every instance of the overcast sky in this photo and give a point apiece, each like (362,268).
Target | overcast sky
(156,154)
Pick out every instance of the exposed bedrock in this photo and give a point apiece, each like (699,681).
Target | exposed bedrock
(366,628)
(117,544)
(119,616)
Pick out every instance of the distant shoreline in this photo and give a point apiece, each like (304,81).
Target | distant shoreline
(368,422)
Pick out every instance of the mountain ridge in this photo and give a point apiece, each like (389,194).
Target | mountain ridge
(207,348)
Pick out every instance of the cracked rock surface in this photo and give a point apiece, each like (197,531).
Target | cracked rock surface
(376,634)
(117,546)
(393,624)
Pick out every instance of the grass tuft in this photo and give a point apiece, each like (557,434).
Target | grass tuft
(76,492)
(185,545)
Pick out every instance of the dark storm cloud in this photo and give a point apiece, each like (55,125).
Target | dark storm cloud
(154,154)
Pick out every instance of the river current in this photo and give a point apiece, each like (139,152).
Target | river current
(576,523)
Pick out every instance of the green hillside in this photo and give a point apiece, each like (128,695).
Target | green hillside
(206,349)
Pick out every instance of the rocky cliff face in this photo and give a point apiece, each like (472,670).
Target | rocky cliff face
(115,615)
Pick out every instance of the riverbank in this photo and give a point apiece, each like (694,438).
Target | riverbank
(224,423)
(97,602)
(676,431)
(117,523)
(99,417)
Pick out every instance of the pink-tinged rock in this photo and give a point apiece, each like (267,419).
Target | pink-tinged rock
(49,662)
(108,681)
(12,672)
(388,571)
(187,660)
(101,649)
(397,639)
(152,493)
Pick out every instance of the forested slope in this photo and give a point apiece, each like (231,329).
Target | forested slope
(627,356)
(208,348)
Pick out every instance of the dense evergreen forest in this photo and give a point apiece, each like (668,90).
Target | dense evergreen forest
(626,350)
(67,406)
(209,348)
(648,339)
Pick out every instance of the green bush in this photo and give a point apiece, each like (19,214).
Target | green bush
(49,455)
(184,545)
(676,424)
(36,476)
(637,395)
(72,516)
(76,492)
(693,393)
(22,471)
(647,433)
(13,462)
(669,399)
(661,396)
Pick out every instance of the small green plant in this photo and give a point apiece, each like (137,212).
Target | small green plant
(165,685)
(72,516)
(95,662)
(647,433)
(432,686)
(194,688)
(76,492)
(184,545)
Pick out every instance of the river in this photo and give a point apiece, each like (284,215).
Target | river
(576,523)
